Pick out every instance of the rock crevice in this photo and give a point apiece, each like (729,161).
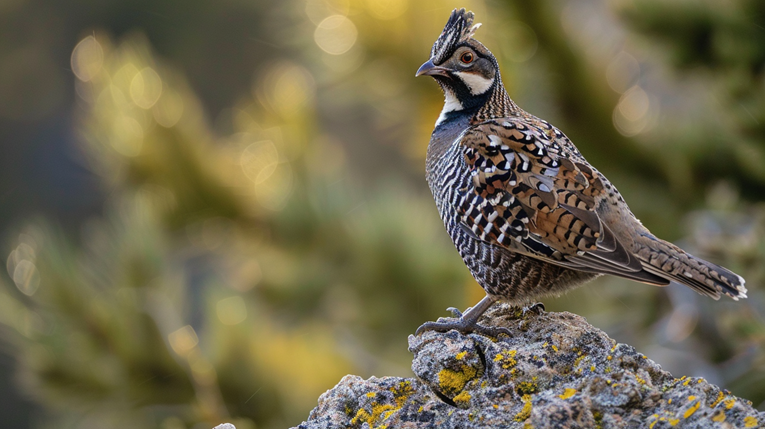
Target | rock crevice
(555,371)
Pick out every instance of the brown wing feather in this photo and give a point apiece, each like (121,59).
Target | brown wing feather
(532,188)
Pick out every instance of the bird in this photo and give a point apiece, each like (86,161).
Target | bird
(528,214)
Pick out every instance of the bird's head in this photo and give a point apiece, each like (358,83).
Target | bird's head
(466,71)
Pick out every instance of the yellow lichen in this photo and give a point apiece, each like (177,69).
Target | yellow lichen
(687,381)
(729,403)
(691,398)
(555,348)
(461,355)
(463,397)
(526,411)
(380,412)
(402,392)
(527,387)
(592,368)
(609,357)
(669,401)
(579,359)
(720,396)
(750,422)
(689,412)
(419,410)
(673,422)
(507,357)
(452,381)
(361,416)
(495,406)
(569,392)
(719,416)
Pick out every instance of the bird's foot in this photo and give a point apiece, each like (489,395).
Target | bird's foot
(462,325)
(536,307)
(466,322)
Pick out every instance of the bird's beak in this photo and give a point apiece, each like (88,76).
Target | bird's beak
(431,69)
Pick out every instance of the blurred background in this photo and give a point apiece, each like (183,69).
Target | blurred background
(212,211)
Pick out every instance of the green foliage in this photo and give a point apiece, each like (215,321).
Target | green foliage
(724,42)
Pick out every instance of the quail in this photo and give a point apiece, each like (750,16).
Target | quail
(528,214)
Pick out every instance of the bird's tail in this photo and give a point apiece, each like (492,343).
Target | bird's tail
(673,263)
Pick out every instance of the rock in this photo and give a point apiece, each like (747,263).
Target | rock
(556,371)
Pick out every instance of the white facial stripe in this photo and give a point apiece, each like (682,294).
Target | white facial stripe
(477,84)
(451,103)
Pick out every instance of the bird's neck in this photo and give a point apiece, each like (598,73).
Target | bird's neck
(497,105)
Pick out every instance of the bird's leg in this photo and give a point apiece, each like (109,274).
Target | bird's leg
(466,322)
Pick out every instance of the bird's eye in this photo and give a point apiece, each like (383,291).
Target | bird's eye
(467,58)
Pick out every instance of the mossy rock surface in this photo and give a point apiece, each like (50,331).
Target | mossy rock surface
(555,371)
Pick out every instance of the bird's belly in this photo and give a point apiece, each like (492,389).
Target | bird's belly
(514,277)
(502,273)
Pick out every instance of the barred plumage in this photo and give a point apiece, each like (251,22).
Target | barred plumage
(527,213)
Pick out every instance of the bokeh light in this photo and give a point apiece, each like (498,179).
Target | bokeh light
(87,59)
(232,310)
(335,34)
(317,10)
(636,112)
(145,88)
(387,9)
(622,72)
(168,109)
(127,136)
(183,340)
(523,42)
(286,88)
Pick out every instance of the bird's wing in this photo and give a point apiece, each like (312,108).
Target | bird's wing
(534,196)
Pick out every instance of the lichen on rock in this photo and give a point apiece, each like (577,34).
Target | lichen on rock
(554,371)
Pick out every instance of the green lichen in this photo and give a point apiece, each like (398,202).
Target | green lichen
(526,388)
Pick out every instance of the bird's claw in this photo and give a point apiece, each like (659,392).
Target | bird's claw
(455,312)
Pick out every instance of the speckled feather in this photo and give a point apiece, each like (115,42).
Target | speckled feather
(527,212)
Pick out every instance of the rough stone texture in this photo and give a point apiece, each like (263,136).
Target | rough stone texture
(555,371)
